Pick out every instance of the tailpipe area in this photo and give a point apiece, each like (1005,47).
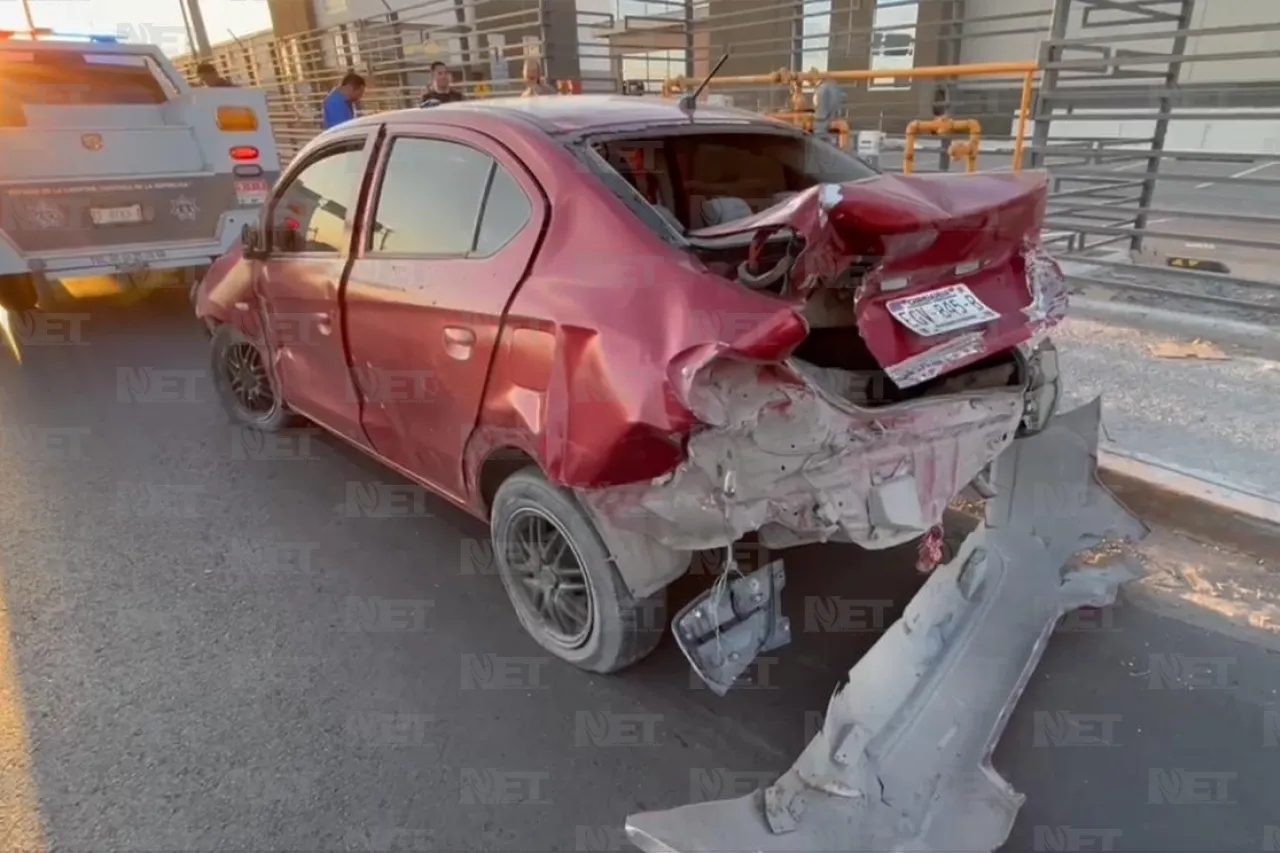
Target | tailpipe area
(903,760)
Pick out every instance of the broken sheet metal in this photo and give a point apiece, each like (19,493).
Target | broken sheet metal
(786,454)
(903,761)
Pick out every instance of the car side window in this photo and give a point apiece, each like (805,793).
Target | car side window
(429,199)
(506,211)
(308,214)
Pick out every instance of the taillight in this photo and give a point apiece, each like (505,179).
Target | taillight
(244,152)
(237,119)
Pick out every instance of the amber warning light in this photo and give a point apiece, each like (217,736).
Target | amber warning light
(237,119)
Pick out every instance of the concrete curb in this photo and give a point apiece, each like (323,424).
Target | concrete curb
(1187,500)
(1175,322)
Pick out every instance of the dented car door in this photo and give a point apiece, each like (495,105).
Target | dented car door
(452,225)
(310,221)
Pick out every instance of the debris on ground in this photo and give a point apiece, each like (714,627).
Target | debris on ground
(1198,349)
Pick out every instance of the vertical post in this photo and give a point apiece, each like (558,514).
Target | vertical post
(797,35)
(1050,52)
(690,43)
(186,23)
(31,19)
(1162,124)
(1020,136)
(203,49)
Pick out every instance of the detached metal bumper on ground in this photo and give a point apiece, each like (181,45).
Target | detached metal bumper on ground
(903,761)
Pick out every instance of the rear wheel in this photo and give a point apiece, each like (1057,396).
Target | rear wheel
(562,582)
(245,384)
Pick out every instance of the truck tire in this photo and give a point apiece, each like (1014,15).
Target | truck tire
(246,386)
(562,582)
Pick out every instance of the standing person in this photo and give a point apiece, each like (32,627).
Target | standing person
(441,90)
(340,104)
(828,100)
(210,77)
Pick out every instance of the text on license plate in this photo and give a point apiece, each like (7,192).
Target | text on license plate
(937,312)
(251,192)
(116,215)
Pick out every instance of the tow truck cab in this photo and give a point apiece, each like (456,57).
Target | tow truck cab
(112,166)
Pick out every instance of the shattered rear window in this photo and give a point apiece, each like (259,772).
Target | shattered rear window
(708,178)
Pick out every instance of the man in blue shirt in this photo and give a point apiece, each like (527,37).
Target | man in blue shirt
(340,104)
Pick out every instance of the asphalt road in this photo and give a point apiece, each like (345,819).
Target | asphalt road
(213,654)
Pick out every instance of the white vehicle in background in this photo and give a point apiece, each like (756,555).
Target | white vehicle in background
(113,167)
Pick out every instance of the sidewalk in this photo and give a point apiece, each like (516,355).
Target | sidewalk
(1218,421)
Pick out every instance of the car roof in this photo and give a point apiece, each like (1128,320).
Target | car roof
(564,114)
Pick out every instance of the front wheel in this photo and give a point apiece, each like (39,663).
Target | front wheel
(246,387)
(562,582)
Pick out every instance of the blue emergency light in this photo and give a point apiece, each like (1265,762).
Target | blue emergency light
(40,33)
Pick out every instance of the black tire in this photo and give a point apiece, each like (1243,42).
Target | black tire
(623,629)
(229,344)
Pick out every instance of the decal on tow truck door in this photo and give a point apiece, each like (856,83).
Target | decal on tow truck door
(947,309)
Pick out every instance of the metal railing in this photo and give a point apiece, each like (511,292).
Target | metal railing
(1177,225)
(1130,103)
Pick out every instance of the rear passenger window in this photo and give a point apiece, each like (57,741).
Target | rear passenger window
(506,211)
(431,198)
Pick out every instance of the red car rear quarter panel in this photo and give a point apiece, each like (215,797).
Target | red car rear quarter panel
(602,339)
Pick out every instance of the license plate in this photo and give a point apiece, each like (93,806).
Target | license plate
(252,192)
(937,312)
(116,215)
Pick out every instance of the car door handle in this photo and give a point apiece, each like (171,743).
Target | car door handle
(458,342)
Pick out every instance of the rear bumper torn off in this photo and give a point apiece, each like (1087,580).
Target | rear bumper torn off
(787,455)
(903,760)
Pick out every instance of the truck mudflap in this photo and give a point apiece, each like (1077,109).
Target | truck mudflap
(903,760)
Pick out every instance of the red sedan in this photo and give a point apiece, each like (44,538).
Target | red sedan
(622,334)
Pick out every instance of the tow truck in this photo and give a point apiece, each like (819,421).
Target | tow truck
(113,169)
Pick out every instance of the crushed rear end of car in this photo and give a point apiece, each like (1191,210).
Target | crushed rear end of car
(921,368)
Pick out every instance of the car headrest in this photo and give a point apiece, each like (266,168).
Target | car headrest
(722,209)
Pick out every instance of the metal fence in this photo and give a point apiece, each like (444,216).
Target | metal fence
(1140,119)
(1137,106)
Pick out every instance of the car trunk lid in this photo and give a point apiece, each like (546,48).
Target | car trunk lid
(947,269)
